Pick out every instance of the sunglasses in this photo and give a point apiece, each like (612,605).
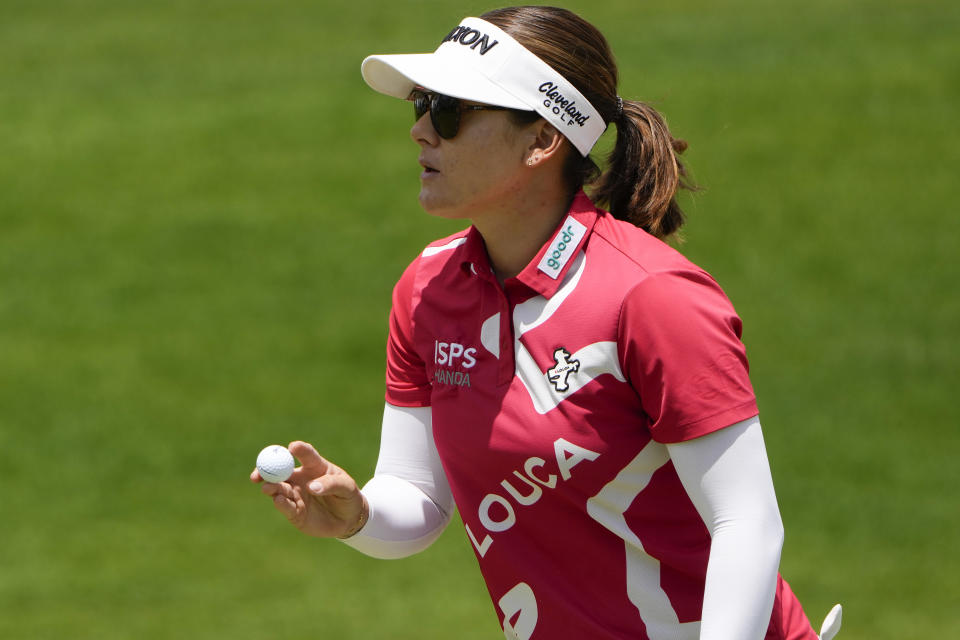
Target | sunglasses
(444,110)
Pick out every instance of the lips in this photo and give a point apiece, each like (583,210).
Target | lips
(428,168)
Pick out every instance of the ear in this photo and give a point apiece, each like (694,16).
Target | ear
(547,144)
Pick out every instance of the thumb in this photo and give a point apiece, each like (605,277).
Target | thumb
(312,462)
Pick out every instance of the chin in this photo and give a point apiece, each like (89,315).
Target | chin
(440,209)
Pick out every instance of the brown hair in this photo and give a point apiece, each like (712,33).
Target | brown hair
(643,170)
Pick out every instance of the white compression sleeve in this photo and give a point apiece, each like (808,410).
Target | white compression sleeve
(727,476)
(409,497)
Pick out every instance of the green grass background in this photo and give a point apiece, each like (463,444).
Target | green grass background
(203,210)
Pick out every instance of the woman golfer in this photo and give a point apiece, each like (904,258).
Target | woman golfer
(570,383)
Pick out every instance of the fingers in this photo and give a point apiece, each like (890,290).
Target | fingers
(286,499)
(285,505)
(317,475)
(311,462)
(273,489)
(318,497)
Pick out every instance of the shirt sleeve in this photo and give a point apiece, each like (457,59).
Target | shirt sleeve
(679,340)
(407,381)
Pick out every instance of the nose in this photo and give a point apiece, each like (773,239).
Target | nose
(423,132)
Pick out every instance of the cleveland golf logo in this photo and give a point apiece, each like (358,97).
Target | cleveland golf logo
(560,105)
(472,38)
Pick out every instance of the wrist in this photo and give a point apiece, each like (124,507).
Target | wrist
(361,521)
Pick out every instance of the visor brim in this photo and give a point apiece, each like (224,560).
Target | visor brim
(398,74)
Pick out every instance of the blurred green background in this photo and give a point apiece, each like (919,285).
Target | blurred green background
(203,210)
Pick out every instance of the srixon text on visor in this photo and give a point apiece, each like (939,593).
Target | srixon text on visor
(470,38)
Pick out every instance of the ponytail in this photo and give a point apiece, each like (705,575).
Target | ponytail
(644,172)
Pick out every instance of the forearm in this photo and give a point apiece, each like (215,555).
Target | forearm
(402,519)
(408,498)
(741,581)
(727,476)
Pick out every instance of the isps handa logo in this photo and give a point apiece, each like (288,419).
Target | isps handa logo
(453,363)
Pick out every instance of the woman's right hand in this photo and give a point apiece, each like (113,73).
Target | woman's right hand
(320,499)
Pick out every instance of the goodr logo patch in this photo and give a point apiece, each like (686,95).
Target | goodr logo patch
(563,247)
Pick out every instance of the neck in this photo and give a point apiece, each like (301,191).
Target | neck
(514,234)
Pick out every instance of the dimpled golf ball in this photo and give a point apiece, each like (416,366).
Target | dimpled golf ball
(275,463)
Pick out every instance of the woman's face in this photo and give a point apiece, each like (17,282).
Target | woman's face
(479,171)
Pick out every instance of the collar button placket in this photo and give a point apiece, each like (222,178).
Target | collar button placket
(506,370)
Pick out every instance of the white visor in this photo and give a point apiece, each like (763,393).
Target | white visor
(479,61)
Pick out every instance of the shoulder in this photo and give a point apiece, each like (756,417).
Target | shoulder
(657,280)
(445,246)
(432,260)
(635,247)
(440,252)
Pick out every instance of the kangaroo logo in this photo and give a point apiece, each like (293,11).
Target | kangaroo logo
(565,366)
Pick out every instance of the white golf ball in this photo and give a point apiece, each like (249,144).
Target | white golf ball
(275,463)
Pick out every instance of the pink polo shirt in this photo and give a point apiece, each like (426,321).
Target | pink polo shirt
(552,397)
